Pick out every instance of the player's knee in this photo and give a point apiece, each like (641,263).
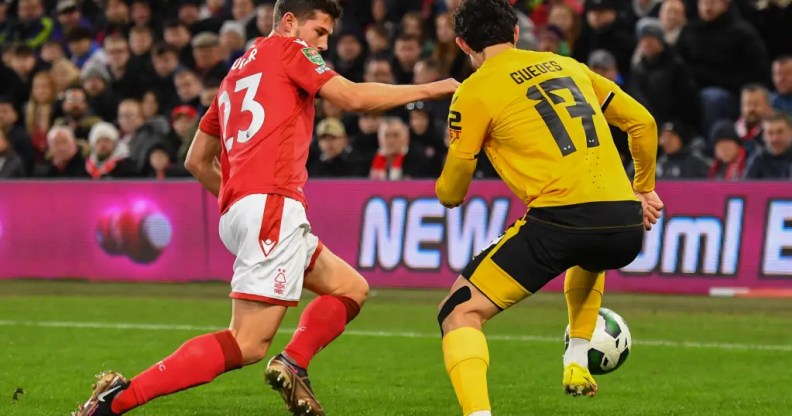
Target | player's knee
(253,349)
(452,312)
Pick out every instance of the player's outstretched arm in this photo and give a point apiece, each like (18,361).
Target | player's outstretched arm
(201,161)
(376,97)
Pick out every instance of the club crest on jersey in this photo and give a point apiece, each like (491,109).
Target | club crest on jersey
(314,56)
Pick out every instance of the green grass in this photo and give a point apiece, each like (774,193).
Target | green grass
(362,374)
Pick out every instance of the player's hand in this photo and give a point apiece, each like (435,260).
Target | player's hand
(450,205)
(652,208)
(442,89)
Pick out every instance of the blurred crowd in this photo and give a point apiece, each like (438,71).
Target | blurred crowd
(115,88)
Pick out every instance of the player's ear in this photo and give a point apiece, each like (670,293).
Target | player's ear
(516,33)
(288,23)
(463,45)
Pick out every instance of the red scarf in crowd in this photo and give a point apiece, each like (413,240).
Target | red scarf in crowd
(734,170)
(381,171)
(96,170)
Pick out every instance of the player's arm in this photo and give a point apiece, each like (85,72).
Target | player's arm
(376,97)
(626,113)
(306,68)
(202,156)
(468,126)
(202,161)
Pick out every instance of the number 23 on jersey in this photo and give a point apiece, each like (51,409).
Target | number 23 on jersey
(249,85)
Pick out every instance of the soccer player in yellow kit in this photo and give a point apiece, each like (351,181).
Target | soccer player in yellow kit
(542,120)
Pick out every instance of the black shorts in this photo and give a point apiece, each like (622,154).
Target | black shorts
(544,243)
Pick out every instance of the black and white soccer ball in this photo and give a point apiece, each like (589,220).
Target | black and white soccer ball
(610,344)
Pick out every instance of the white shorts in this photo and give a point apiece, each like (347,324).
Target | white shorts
(274,248)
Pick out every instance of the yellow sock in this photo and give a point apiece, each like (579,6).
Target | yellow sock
(466,359)
(583,291)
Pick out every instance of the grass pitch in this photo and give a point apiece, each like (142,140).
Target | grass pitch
(691,355)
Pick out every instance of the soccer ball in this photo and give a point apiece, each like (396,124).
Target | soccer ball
(610,344)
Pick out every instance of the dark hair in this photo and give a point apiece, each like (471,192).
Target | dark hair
(783,59)
(141,30)
(779,116)
(403,37)
(378,57)
(306,9)
(756,87)
(23,50)
(432,64)
(163,48)
(173,24)
(80,33)
(76,87)
(483,23)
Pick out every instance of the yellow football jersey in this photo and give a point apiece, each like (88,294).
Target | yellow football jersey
(538,116)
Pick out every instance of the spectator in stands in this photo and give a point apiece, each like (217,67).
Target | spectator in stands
(379,16)
(662,81)
(190,16)
(117,18)
(377,39)
(67,161)
(782,80)
(108,159)
(673,19)
(39,112)
(141,40)
(177,35)
(398,158)
(69,17)
(567,20)
(366,140)
(184,123)
(725,53)
(102,100)
(337,159)
(140,13)
(149,105)
(77,115)
(24,65)
(206,53)
(83,49)
(775,161)
(349,59)
(165,60)
(31,27)
(232,42)
(407,51)
(604,29)
(378,69)
(412,24)
(188,88)
(15,134)
(730,155)
(604,63)
(52,52)
(208,94)
(677,161)
(265,16)
(551,39)
(754,107)
(161,164)
(65,74)
(424,131)
(11,165)
(124,77)
(138,134)
(453,62)
(243,11)
(214,8)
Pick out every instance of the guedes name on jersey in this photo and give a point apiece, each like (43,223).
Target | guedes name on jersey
(532,71)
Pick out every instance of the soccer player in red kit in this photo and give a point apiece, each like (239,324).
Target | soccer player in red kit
(260,125)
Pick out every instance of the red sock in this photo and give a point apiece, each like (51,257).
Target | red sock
(320,323)
(198,361)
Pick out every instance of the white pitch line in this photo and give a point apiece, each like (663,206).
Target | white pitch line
(390,334)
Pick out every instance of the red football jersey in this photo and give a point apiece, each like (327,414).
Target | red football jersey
(264,115)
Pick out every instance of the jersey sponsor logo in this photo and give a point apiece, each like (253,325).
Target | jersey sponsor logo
(314,56)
